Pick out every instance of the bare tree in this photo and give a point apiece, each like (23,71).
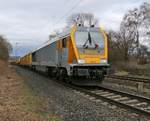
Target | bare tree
(130,28)
(126,39)
(5,48)
(145,23)
(115,47)
(143,54)
(145,14)
(82,19)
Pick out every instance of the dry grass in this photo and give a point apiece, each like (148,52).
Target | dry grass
(131,68)
(17,101)
(3,67)
(121,73)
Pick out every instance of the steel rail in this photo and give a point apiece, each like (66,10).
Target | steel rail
(128,78)
(114,102)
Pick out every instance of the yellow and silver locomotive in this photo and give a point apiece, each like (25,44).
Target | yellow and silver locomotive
(79,54)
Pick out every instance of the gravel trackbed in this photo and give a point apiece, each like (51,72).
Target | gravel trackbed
(70,105)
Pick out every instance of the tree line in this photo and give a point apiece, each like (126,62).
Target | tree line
(127,43)
(5,48)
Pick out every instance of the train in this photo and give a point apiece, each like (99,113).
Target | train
(78,55)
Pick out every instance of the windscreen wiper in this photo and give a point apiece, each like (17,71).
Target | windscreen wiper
(88,40)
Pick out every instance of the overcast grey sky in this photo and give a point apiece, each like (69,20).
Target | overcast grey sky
(29,22)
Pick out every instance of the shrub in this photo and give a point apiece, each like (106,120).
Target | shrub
(5,48)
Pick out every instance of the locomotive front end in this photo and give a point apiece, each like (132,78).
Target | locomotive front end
(91,51)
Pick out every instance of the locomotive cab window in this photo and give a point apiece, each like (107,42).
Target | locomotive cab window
(64,43)
(89,41)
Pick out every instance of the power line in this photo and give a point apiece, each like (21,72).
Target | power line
(68,2)
(69,11)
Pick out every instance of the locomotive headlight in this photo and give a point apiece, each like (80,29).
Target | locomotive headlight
(81,61)
(103,61)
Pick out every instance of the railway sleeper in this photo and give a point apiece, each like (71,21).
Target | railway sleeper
(147,108)
(121,99)
(115,96)
(130,101)
(106,95)
(102,93)
(140,104)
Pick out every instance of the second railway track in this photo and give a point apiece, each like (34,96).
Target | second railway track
(129,78)
(137,104)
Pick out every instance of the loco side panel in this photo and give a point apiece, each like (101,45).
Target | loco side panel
(45,58)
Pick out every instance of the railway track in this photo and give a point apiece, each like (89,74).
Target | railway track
(125,100)
(138,104)
(127,78)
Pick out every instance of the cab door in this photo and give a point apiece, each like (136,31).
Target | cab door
(62,52)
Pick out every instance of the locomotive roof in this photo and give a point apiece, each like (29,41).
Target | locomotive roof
(64,34)
(58,37)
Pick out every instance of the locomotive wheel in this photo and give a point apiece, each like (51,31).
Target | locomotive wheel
(68,80)
(62,75)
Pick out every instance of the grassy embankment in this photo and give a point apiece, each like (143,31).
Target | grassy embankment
(19,102)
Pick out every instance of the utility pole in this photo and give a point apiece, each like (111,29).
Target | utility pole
(16,49)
